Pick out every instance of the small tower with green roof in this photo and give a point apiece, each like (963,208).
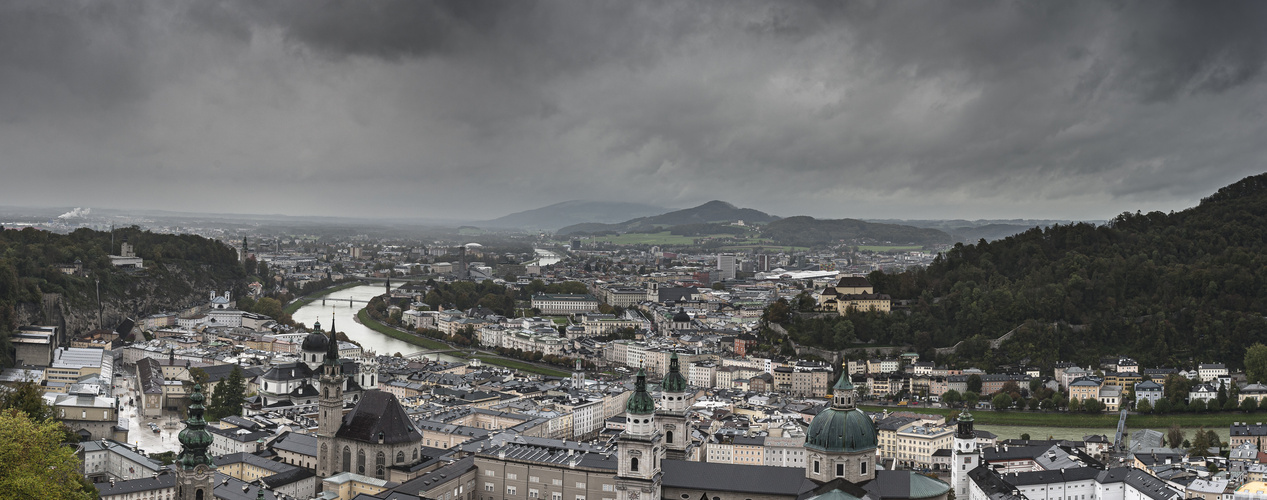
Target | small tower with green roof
(671,418)
(195,468)
(639,447)
(842,440)
(966,455)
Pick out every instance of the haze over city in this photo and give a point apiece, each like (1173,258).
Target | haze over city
(1060,110)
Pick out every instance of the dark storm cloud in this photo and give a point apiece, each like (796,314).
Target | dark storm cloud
(1054,109)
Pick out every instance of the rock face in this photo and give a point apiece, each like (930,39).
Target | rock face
(171,288)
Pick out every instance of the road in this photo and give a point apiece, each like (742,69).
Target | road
(139,432)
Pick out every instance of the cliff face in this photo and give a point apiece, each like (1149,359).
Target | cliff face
(166,288)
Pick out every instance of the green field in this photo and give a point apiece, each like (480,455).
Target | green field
(417,340)
(889,248)
(1099,420)
(366,320)
(521,366)
(294,305)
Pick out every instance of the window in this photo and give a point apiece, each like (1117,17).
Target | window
(633,464)
(580,497)
(816,466)
(488,486)
(581,486)
(863,468)
(840,470)
(380,466)
(556,482)
(490,473)
(510,490)
(534,479)
(556,496)
(511,476)
(533,493)
(400,456)
(609,487)
(668,437)
(360,462)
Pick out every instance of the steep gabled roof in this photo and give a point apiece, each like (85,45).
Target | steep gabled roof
(378,413)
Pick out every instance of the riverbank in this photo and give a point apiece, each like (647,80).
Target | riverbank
(294,305)
(364,318)
(1087,420)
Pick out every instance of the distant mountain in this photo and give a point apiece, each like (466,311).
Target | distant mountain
(573,212)
(808,231)
(711,212)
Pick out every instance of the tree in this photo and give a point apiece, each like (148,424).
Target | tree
(970,399)
(1174,436)
(33,463)
(1162,406)
(272,308)
(974,383)
(1197,406)
(228,396)
(27,398)
(1249,405)
(1144,406)
(1024,436)
(1231,404)
(1092,405)
(1001,401)
(951,397)
(1256,363)
(1200,444)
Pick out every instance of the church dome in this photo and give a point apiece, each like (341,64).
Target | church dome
(681,316)
(316,342)
(837,430)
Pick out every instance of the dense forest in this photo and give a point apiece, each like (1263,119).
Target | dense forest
(1169,289)
(177,267)
(810,232)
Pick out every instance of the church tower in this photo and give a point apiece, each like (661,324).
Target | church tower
(195,471)
(330,408)
(638,471)
(578,376)
(966,456)
(671,418)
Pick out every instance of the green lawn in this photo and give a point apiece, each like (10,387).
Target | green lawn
(294,305)
(521,366)
(1102,420)
(889,248)
(417,340)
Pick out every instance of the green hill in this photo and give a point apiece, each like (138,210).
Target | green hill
(809,232)
(179,270)
(1169,289)
(711,212)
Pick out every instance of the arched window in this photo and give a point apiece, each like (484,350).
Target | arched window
(633,464)
(380,465)
(668,436)
(360,462)
(347,459)
(415,453)
(198,495)
(400,457)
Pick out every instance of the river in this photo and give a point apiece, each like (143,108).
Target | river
(345,321)
(546,257)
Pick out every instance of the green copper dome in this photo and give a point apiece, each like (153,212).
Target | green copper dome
(640,403)
(835,431)
(844,384)
(195,439)
(674,381)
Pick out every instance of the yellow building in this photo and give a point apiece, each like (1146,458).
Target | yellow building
(853,293)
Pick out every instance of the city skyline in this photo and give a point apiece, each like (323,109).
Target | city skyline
(474,110)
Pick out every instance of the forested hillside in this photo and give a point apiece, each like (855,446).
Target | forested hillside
(178,269)
(1168,289)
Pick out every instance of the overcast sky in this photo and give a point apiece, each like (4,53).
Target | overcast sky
(882,109)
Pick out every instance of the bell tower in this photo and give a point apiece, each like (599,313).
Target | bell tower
(671,418)
(195,470)
(640,452)
(966,456)
(330,408)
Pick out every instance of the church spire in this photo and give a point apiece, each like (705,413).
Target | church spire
(195,439)
(332,351)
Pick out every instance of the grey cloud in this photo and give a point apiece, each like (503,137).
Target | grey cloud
(831,108)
